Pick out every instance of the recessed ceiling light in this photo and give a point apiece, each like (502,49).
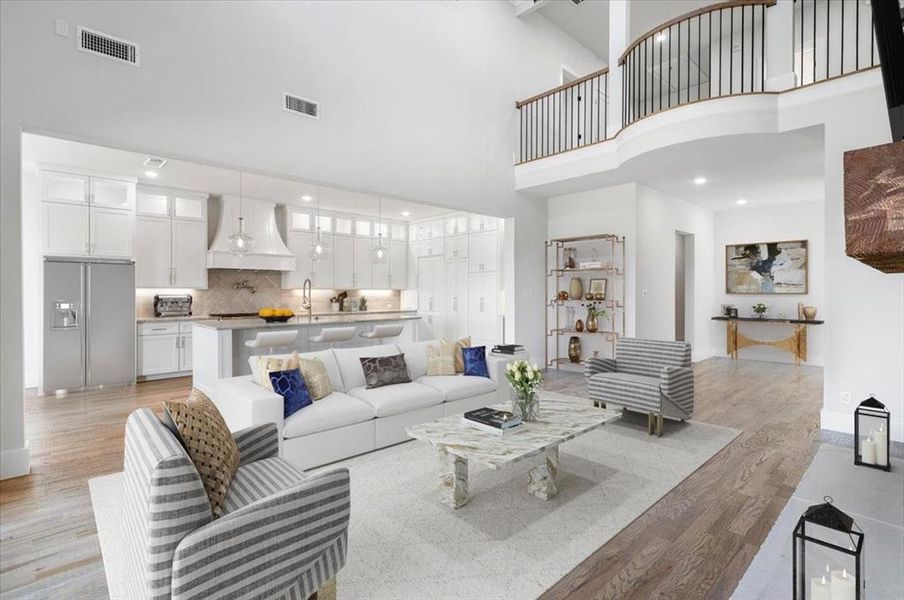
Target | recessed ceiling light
(405,213)
(306,198)
(700,180)
(151,174)
(660,38)
(741,202)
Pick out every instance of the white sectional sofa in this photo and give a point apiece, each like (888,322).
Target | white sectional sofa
(353,419)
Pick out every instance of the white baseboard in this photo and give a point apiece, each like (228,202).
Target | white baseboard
(15,462)
(844,422)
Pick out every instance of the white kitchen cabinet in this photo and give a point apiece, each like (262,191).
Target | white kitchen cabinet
(430,284)
(432,247)
(158,354)
(189,253)
(189,206)
(381,272)
(343,262)
(456,247)
(153,263)
(112,232)
(363,265)
(456,224)
(112,193)
(483,294)
(152,202)
(299,243)
(184,352)
(456,291)
(65,229)
(431,326)
(64,187)
(483,223)
(483,254)
(398,265)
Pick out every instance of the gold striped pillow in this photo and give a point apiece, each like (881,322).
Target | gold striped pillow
(457,346)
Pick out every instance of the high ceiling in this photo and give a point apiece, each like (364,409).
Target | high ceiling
(588,22)
(215,180)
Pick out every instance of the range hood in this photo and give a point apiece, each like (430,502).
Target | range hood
(269,252)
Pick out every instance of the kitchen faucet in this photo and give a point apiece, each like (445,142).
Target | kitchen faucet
(306,298)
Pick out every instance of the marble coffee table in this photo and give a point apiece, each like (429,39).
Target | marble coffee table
(562,418)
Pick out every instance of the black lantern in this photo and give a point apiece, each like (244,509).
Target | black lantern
(827,555)
(872,423)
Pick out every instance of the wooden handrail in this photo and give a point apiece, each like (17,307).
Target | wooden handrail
(564,86)
(700,11)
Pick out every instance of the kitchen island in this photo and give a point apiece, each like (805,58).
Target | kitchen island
(219,348)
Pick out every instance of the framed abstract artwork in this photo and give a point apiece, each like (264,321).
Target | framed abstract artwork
(767,268)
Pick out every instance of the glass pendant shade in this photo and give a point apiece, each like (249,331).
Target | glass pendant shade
(320,248)
(240,243)
(379,253)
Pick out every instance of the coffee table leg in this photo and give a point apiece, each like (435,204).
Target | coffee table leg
(453,479)
(542,482)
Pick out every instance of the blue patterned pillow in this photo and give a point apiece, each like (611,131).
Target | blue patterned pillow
(475,359)
(291,387)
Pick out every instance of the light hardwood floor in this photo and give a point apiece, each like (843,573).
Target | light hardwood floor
(696,542)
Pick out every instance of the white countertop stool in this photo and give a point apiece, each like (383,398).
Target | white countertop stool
(381,332)
(273,339)
(331,335)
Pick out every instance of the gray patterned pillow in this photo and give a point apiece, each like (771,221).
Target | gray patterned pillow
(384,370)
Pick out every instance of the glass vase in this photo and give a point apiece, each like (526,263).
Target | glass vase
(526,405)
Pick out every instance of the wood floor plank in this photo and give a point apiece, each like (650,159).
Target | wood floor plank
(674,550)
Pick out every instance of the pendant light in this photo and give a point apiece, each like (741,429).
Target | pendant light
(320,247)
(240,243)
(379,254)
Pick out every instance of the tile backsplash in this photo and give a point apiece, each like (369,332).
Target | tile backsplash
(233,291)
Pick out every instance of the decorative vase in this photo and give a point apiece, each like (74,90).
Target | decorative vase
(579,325)
(574,349)
(526,405)
(760,315)
(809,313)
(576,288)
(592,324)
(570,255)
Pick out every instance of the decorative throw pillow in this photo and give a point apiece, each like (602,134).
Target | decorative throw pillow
(273,363)
(476,361)
(441,359)
(292,388)
(313,371)
(458,346)
(207,440)
(385,370)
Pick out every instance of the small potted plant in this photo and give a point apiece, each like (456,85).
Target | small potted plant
(526,381)
(759,309)
(334,304)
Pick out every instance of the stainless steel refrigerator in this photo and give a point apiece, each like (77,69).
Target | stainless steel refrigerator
(89,327)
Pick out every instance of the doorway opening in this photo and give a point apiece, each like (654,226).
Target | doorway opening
(684,287)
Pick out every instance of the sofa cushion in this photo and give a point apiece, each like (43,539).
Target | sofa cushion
(349,361)
(476,361)
(397,399)
(326,356)
(260,479)
(263,365)
(416,357)
(441,360)
(638,391)
(293,390)
(317,380)
(332,411)
(384,370)
(458,346)
(457,387)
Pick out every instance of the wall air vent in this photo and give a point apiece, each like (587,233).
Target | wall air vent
(101,44)
(154,163)
(308,108)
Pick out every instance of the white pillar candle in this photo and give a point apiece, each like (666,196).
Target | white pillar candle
(843,586)
(881,441)
(820,588)
(868,452)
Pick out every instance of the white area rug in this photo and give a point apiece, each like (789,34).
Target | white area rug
(505,543)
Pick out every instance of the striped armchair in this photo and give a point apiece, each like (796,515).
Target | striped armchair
(647,376)
(283,534)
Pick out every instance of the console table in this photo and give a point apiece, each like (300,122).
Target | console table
(796,344)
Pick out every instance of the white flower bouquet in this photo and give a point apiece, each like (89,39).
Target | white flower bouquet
(526,381)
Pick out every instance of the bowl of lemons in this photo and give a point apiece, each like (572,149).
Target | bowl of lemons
(275,315)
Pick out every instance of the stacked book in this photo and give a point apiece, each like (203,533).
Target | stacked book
(491,420)
(507,349)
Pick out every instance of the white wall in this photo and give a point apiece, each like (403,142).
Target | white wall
(416,98)
(793,221)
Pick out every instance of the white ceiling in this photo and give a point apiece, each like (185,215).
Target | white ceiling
(215,180)
(588,22)
(764,169)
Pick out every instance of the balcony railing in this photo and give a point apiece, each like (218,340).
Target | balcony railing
(832,38)
(712,52)
(570,116)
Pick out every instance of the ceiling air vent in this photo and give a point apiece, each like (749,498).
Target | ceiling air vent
(308,108)
(101,44)
(154,163)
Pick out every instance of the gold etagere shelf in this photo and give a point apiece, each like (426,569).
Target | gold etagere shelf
(606,253)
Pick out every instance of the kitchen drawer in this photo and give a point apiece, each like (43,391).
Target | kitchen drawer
(152,328)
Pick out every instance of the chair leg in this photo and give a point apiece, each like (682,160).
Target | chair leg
(326,592)
(659,425)
(649,424)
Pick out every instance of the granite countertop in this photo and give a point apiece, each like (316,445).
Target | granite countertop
(165,319)
(322,319)
(316,314)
